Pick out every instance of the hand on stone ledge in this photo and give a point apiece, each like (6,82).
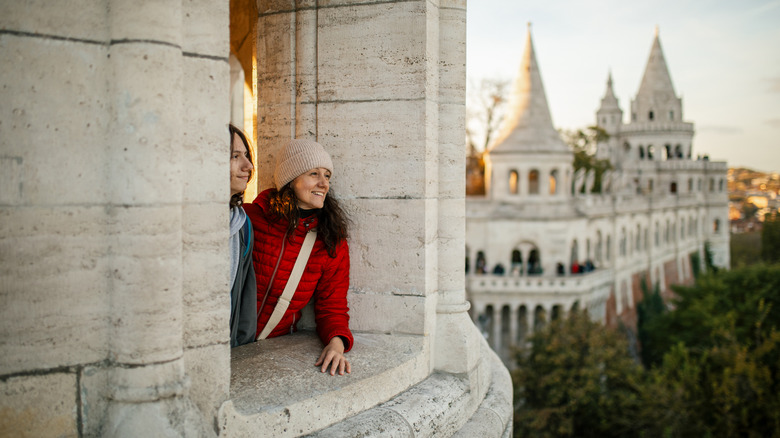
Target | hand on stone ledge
(333,354)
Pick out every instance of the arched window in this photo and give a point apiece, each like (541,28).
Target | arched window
(650,115)
(716,226)
(517,262)
(669,153)
(720,185)
(698,185)
(641,152)
(533,182)
(513,182)
(712,184)
(554,182)
(671,115)
(673,187)
(650,152)
(481,267)
(534,263)
(678,152)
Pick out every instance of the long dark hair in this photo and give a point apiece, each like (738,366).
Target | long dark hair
(333,223)
(238,199)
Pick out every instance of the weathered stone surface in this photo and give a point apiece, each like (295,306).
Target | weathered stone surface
(94,386)
(145,278)
(158,22)
(80,19)
(205,153)
(388,248)
(53,265)
(373,53)
(277,391)
(206,303)
(39,406)
(203,28)
(32,115)
(385,313)
(145,151)
(208,370)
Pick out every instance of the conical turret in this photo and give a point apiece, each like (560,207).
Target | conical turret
(609,115)
(656,99)
(528,126)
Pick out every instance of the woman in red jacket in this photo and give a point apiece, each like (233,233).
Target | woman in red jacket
(281,219)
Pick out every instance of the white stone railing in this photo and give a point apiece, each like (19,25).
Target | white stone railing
(544,284)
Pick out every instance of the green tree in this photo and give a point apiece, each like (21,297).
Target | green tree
(720,373)
(583,142)
(577,380)
(649,309)
(770,238)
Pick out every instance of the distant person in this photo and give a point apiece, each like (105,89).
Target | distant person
(498,269)
(243,289)
(302,213)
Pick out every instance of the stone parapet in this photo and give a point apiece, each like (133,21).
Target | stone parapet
(276,389)
(572,285)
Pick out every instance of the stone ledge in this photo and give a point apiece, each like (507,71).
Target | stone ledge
(436,406)
(494,415)
(276,390)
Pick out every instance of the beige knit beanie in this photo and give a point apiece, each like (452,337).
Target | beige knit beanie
(298,156)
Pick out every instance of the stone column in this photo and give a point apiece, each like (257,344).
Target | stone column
(497,320)
(513,323)
(457,339)
(145,182)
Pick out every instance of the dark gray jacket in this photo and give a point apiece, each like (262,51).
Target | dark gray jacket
(243,296)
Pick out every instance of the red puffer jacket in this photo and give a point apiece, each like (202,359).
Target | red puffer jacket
(325,279)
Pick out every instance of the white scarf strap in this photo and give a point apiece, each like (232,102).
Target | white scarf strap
(292,284)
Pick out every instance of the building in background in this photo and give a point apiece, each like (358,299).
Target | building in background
(540,242)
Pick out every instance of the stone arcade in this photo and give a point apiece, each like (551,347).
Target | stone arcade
(113,234)
(657,207)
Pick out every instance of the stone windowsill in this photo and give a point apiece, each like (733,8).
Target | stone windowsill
(275,385)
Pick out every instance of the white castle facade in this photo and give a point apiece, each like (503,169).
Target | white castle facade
(559,245)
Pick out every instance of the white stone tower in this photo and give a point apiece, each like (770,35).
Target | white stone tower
(528,161)
(610,118)
(656,130)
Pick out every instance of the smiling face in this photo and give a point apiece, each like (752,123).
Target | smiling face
(240,166)
(311,188)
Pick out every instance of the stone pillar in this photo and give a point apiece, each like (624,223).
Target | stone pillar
(497,323)
(457,340)
(145,182)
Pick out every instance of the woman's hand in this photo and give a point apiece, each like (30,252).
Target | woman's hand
(333,355)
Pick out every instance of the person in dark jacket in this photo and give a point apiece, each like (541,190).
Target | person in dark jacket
(243,287)
(282,217)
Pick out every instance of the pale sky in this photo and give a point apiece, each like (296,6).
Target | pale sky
(723,56)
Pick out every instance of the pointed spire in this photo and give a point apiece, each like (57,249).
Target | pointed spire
(528,125)
(656,80)
(609,101)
